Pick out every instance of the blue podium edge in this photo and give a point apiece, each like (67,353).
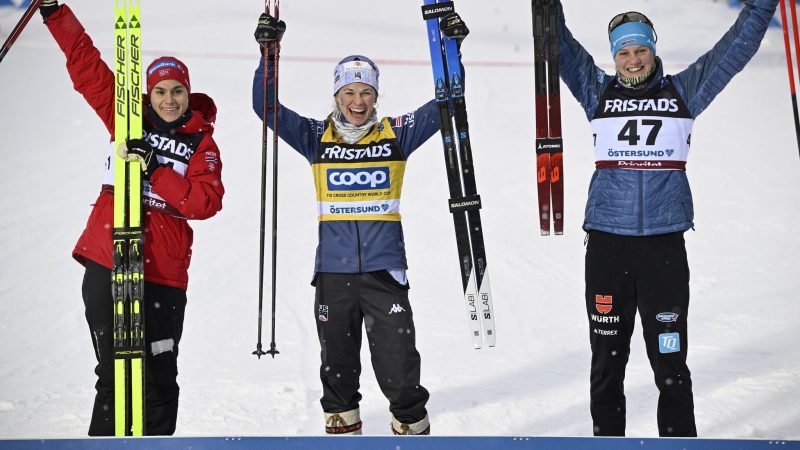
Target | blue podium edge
(396,443)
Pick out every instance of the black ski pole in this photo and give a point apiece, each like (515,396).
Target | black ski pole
(258,352)
(276,48)
(23,21)
(264,144)
(789,65)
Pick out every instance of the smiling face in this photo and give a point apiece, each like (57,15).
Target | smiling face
(356,101)
(634,61)
(169,99)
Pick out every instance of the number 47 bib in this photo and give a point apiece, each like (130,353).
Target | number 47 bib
(642,130)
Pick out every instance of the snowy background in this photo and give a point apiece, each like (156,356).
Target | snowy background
(744,171)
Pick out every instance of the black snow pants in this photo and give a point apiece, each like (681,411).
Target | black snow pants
(343,302)
(164,310)
(651,274)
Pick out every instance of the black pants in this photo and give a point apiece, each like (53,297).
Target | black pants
(343,302)
(164,309)
(650,274)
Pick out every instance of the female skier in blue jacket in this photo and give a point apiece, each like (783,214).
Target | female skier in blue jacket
(358,161)
(640,204)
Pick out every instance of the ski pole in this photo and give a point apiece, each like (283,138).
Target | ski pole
(264,144)
(258,352)
(789,65)
(23,21)
(276,48)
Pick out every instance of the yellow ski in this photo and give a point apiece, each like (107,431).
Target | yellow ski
(128,274)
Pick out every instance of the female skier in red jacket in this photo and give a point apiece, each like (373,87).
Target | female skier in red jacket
(182,180)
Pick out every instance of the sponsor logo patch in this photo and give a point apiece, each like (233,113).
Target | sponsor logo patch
(604,319)
(168,146)
(605,332)
(407,119)
(163,67)
(375,209)
(669,342)
(323,313)
(641,105)
(366,178)
(667,317)
(338,152)
(396,308)
(603,303)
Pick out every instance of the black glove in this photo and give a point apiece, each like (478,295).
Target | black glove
(47,7)
(139,149)
(453,27)
(269,29)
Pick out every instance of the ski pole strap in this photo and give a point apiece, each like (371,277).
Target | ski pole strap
(437,10)
(549,145)
(463,204)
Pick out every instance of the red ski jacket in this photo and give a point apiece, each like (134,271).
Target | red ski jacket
(187,186)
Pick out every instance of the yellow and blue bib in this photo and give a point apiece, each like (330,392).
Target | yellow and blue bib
(360,181)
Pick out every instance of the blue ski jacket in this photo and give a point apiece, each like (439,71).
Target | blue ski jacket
(650,202)
(349,246)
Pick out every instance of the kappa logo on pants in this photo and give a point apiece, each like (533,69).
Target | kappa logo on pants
(396,308)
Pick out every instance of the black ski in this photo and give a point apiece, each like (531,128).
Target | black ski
(464,203)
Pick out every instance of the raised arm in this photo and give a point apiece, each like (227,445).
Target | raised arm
(414,128)
(90,74)
(578,71)
(700,83)
(301,133)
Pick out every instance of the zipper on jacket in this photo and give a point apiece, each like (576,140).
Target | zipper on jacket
(641,202)
(358,243)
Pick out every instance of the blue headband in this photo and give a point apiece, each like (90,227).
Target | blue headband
(632,33)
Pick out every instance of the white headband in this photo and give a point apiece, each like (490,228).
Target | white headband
(355,71)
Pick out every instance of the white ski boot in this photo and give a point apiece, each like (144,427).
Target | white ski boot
(343,423)
(421,427)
